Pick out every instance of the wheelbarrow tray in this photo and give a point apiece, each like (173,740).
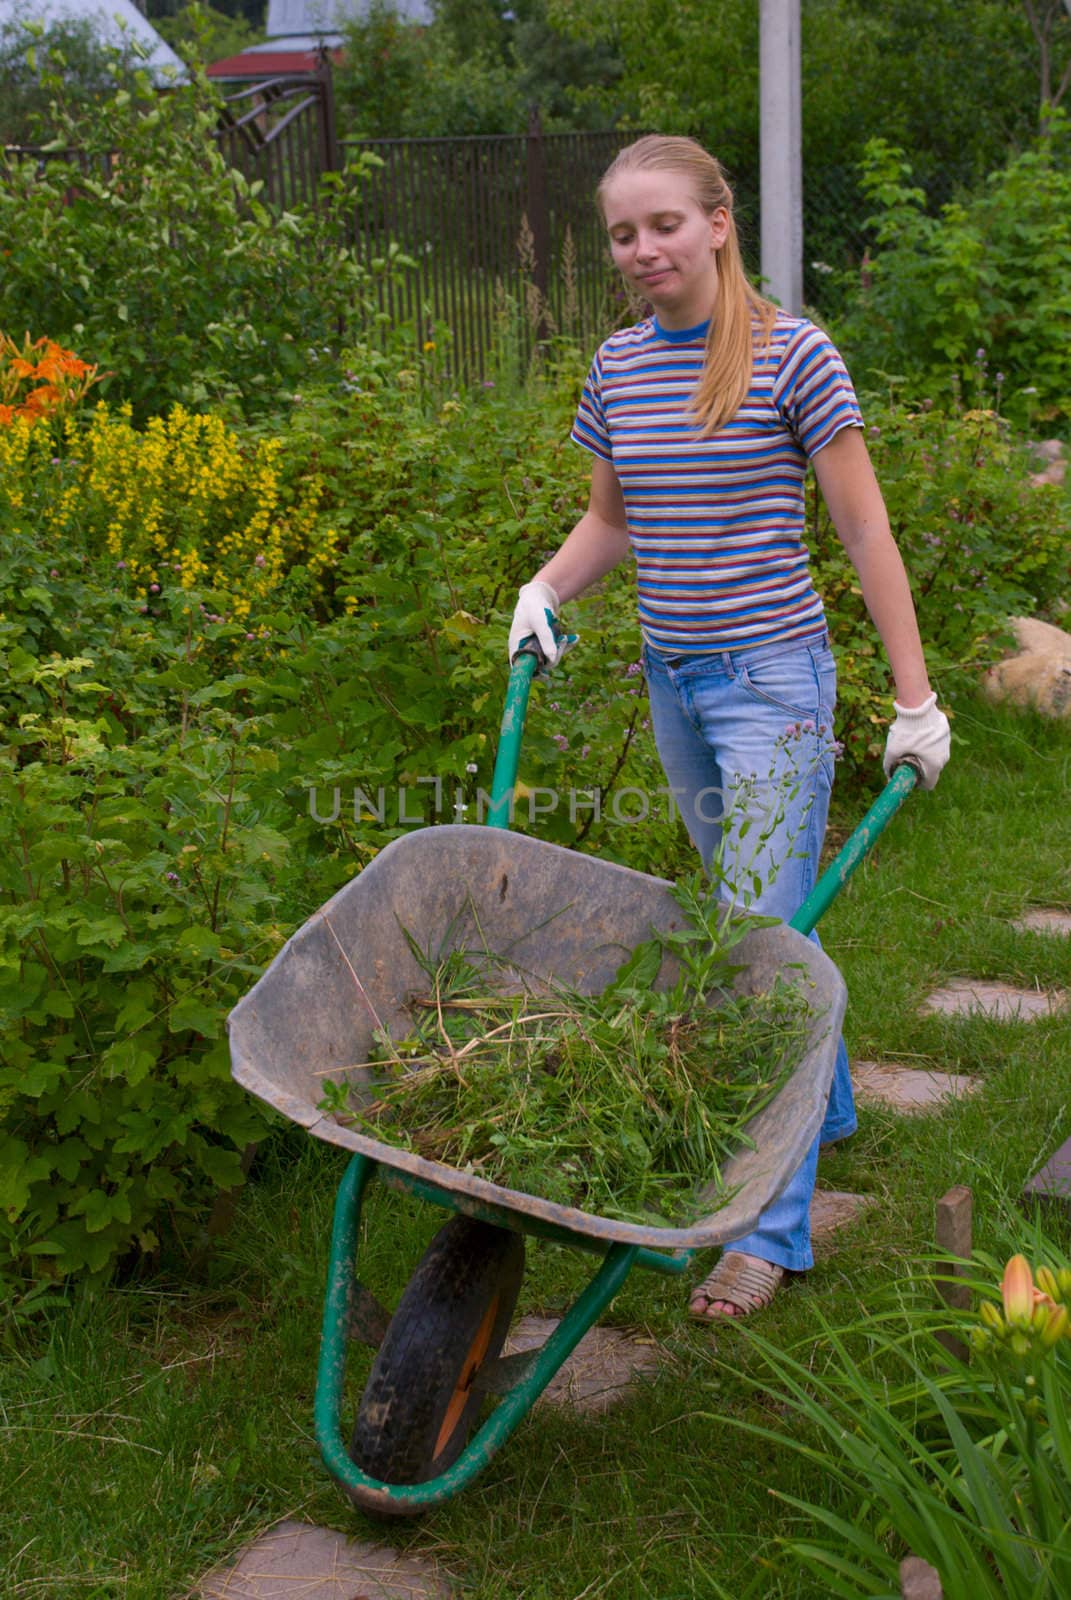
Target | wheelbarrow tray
(558,916)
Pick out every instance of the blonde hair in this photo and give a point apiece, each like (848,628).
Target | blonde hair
(742,313)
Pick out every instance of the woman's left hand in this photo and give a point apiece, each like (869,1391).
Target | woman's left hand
(920,734)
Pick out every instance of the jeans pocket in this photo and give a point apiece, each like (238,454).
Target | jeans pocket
(789,682)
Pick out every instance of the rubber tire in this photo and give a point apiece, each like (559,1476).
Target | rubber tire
(416,1412)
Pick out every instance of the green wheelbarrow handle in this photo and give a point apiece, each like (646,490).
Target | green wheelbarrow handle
(859,843)
(525,666)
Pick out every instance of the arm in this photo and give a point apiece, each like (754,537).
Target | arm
(854,501)
(597,543)
(846,478)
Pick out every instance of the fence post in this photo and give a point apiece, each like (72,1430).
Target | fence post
(538,209)
(330,155)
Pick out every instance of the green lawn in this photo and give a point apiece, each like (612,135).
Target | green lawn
(152,1429)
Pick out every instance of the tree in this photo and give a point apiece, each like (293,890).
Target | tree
(478,68)
(397,79)
(249,11)
(1050,24)
(199,32)
(951,82)
(49,73)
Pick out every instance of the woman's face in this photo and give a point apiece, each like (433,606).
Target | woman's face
(665,244)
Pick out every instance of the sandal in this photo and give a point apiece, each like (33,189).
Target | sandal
(746,1282)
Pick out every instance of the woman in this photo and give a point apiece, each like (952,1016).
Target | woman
(701,421)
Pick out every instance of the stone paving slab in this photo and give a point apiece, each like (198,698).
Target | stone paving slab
(835,1208)
(1044,919)
(918,1580)
(296,1561)
(909,1090)
(600,1369)
(1003,1001)
(1053,1181)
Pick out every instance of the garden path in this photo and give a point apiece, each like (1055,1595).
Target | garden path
(297,1561)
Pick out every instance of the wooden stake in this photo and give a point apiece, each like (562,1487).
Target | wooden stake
(953,1227)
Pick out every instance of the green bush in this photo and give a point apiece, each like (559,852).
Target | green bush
(160,263)
(978,295)
(475,69)
(167,756)
(979,541)
(400,80)
(138,894)
(56,68)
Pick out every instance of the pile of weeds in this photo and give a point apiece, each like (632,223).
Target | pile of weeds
(626,1103)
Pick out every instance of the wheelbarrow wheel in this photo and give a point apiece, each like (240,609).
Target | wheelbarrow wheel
(419,1407)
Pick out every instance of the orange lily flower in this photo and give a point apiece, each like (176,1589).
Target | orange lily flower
(39,400)
(40,377)
(1017,1292)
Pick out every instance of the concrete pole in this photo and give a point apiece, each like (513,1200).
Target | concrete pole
(781,152)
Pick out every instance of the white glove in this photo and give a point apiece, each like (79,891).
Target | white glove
(537,606)
(919,735)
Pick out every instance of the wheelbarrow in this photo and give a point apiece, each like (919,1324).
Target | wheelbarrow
(347,973)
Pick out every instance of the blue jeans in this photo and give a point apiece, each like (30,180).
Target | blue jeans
(745,738)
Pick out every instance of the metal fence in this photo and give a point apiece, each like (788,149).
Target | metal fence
(502,232)
(281,131)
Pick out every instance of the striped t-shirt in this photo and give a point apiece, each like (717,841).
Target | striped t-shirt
(716,525)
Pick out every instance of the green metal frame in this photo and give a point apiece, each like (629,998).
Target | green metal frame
(618,1260)
(860,841)
(342,1285)
(507,760)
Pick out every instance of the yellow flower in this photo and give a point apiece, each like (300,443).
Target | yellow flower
(991,1316)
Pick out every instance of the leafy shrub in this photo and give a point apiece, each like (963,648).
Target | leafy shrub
(137,895)
(979,542)
(200,32)
(443,506)
(160,263)
(473,70)
(59,62)
(985,284)
(399,79)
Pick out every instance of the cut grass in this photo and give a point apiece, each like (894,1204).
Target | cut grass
(623,1103)
(151,1431)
